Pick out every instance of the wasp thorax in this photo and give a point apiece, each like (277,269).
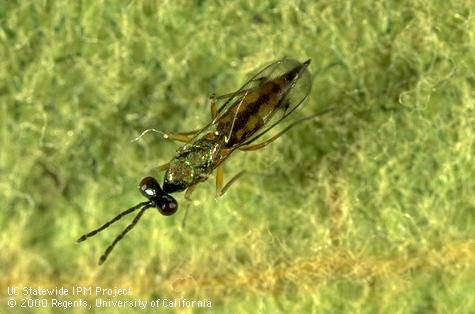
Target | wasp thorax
(191,164)
(179,176)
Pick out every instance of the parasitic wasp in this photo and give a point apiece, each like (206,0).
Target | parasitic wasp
(245,116)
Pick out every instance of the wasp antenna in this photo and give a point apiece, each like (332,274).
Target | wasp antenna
(146,131)
(109,249)
(110,222)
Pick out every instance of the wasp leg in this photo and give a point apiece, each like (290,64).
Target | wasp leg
(240,92)
(193,132)
(188,199)
(230,95)
(213,106)
(220,189)
(248,147)
(267,142)
(164,167)
(179,137)
(189,191)
(220,171)
(219,179)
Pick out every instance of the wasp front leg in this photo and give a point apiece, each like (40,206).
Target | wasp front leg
(164,167)
(184,137)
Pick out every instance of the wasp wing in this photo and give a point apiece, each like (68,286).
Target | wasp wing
(294,84)
(254,81)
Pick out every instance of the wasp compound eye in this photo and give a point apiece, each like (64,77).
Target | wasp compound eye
(150,188)
(166,205)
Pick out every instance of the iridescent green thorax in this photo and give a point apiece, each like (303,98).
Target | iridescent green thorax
(192,164)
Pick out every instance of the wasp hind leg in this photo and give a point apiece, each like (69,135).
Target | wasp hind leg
(249,146)
(239,92)
(188,201)
(213,107)
(220,189)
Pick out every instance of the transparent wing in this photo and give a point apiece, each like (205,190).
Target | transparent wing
(295,85)
(298,86)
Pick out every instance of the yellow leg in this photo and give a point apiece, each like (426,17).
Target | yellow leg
(189,191)
(213,99)
(219,179)
(213,106)
(267,142)
(230,95)
(193,132)
(188,199)
(260,145)
(273,138)
(180,137)
(164,167)
(220,189)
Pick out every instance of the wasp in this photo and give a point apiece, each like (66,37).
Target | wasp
(268,98)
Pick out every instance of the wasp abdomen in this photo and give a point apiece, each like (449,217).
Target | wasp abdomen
(250,113)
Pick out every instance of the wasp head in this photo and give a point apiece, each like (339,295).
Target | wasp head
(165,203)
